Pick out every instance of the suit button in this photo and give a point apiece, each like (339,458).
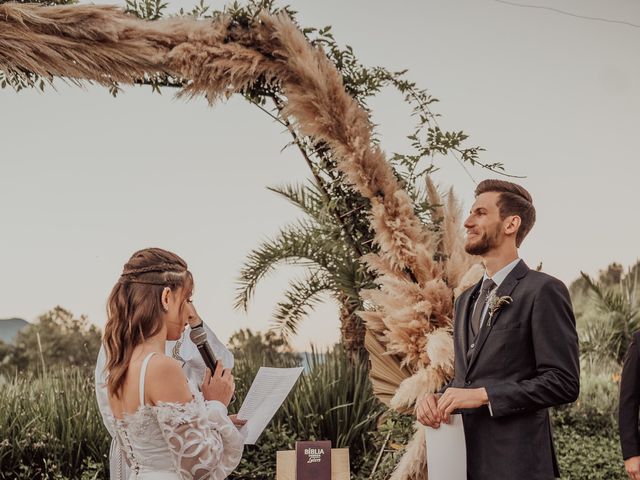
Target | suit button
(473,345)
(467,383)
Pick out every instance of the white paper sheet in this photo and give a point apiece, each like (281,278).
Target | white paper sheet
(267,392)
(447,451)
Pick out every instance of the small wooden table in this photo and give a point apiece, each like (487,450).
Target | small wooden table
(286,464)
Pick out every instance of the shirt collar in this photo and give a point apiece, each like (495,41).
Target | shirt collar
(500,276)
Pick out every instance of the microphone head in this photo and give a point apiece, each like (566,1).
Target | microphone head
(198,335)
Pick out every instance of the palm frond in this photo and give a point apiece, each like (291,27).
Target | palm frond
(608,300)
(386,372)
(302,296)
(599,339)
(350,280)
(299,244)
(619,305)
(307,197)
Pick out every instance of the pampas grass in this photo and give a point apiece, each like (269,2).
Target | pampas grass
(411,313)
(413,464)
(440,349)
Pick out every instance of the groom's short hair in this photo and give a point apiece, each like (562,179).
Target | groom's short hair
(514,200)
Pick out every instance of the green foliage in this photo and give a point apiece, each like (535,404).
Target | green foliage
(148,9)
(610,314)
(22,80)
(596,409)
(258,461)
(316,243)
(253,350)
(586,432)
(6,354)
(595,456)
(332,400)
(51,427)
(608,277)
(392,435)
(56,339)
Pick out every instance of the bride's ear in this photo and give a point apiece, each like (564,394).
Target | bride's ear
(164,299)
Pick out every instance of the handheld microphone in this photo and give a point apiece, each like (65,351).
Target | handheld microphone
(199,338)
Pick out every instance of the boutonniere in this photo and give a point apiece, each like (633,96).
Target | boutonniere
(495,303)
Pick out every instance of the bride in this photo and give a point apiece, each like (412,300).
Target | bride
(167,427)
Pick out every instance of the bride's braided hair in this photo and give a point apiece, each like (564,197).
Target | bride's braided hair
(132,275)
(134,307)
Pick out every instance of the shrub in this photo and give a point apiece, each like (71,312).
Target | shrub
(586,432)
(588,456)
(51,427)
(595,411)
(332,400)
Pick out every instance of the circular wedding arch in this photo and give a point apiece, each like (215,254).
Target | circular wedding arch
(217,58)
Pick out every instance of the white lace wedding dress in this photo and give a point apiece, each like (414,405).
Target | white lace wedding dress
(174,441)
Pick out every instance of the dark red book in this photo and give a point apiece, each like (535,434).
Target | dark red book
(313,460)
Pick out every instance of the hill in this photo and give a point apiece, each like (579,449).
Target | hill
(10,327)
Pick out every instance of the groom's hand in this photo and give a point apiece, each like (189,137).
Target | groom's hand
(427,410)
(632,466)
(455,398)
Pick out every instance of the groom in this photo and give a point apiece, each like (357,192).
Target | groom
(515,344)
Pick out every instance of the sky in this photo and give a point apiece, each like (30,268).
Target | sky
(86,179)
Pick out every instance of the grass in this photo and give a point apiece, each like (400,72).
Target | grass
(50,427)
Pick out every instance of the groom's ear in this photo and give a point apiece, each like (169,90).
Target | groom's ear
(512,224)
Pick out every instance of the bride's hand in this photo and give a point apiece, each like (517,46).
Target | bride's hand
(236,421)
(219,386)
(193,318)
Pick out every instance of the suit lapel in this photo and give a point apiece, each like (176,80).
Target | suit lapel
(505,289)
(462,320)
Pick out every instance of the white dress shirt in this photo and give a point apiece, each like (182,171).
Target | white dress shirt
(497,278)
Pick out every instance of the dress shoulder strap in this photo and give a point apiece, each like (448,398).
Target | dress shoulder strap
(143,371)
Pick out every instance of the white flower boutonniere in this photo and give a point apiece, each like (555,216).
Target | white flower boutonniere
(495,303)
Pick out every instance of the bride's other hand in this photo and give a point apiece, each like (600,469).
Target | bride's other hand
(219,386)
(236,421)
(193,319)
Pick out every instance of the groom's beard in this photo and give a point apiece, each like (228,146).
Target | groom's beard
(487,242)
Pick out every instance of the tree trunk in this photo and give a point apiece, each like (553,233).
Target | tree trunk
(352,328)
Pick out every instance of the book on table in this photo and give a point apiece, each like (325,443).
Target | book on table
(313,460)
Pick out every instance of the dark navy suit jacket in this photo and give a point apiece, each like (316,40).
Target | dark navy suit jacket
(527,359)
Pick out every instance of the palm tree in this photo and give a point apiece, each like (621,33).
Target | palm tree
(318,244)
(610,337)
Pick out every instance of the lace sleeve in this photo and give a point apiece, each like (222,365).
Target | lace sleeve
(203,442)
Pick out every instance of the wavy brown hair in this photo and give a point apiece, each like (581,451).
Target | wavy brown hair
(134,309)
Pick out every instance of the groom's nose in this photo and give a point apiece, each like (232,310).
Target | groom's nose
(468,223)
